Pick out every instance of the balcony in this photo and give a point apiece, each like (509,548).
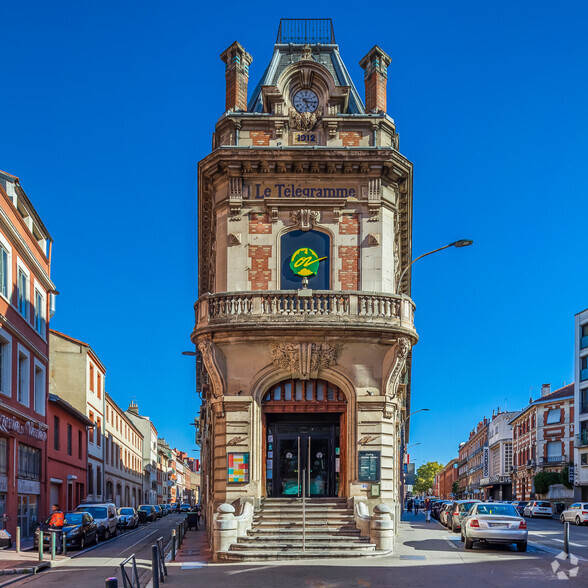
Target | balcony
(553,460)
(312,308)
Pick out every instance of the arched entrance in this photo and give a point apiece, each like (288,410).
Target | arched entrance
(304,431)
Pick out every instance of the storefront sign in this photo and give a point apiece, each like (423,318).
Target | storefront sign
(11,424)
(305,262)
(238,471)
(29,487)
(300,191)
(3,484)
(486,462)
(369,466)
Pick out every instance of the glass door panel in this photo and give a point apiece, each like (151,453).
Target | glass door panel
(288,463)
(319,460)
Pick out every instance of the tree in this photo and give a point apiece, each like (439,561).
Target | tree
(455,488)
(545,479)
(426,476)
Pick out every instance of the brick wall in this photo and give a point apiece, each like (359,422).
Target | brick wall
(260,138)
(259,223)
(375,92)
(349,272)
(349,224)
(259,272)
(236,90)
(350,138)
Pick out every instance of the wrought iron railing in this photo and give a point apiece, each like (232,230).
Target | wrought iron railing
(302,31)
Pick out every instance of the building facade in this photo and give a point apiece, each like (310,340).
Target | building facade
(26,290)
(123,457)
(445,479)
(543,439)
(77,375)
(304,320)
(476,466)
(149,432)
(581,403)
(498,483)
(163,483)
(67,454)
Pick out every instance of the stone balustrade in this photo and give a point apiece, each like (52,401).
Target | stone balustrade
(305,307)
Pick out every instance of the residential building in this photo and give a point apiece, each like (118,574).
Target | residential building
(477,460)
(445,479)
(543,439)
(123,457)
(581,403)
(149,432)
(26,293)
(462,469)
(163,484)
(498,483)
(304,320)
(77,375)
(67,453)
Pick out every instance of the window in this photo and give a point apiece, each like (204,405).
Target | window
(22,393)
(3,456)
(584,368)
(90,479)
(79,445)
(584,336)
(98,480)
(39,313)
(39,392)
(29,462)
(91,378)
(583,459)
(5,363)
(98,432)
(56,433)
(99,384)
(23,293)
(4,271)
(91,431)
(553,416)
(69,440)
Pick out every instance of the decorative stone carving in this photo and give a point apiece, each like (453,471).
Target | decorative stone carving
(234,239)
(236,440)
(404,348)
(305,218)
(305,360)
(235,195)
(208,350)
(373,239)
(304,121)
(306,53)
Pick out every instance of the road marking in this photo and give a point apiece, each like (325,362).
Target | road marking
(142,539)
(574,544)
(250,570)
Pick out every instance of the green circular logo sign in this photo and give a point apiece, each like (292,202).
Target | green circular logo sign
(305,262)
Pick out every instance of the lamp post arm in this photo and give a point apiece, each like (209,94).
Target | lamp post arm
(416,259)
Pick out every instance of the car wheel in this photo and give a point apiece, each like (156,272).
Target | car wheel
(453,528)
(469,543)
(96,538)
(562,519)
(522,546)
(82,542)
(578,521)
(107,535)
(530,514)
(115,532)
(462,538)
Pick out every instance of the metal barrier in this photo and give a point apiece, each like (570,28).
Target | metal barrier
(133,580)
(304,510)
(158,567)
(566,545)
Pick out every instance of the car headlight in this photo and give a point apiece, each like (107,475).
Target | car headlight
(74,532)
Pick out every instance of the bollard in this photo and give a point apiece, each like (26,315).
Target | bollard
(17,539)
(63,544)
(111,583)
(40,545)
(173,545)
(155,566)
(567,539)
(53,546)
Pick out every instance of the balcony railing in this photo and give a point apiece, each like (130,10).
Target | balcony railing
(327,308)
(553,459)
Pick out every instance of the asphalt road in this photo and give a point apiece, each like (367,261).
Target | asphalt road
(91,567)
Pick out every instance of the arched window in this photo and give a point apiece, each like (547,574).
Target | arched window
(304,396)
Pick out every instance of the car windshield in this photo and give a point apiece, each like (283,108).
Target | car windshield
(157,507)
(73,518)
(144,507)
(498,509)
(465,506)
(125,511)
(544,504)
(98,512)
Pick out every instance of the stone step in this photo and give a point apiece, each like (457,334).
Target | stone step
(319,502)
(298,506)
(297,545)
(299,515)
(297,538)
(287,531)
(292,554)
(286,524)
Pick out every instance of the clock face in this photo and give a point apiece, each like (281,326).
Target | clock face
(305,101)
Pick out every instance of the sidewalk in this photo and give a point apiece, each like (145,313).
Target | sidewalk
(25,562)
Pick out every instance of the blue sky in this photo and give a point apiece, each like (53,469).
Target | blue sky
(108,106)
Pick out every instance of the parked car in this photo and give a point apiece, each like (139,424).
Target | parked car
(494,523)
(458,507)
(174,506)
(520,505)
(80,530)
(444,514)
(149,510)
(128,518)
(104,514)
(538,508)
(185,507)
(437,507)
(158,511)
(577,513)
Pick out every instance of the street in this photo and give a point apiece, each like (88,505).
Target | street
(94,565)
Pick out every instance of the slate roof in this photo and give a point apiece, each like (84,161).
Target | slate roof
(327,55)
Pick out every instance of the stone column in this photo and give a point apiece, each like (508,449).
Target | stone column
(225,529)
(382,528)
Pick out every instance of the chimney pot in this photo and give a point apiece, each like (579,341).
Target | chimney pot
(375,66)
(237,62)
(545,389)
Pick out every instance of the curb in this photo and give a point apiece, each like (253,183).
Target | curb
(22,573)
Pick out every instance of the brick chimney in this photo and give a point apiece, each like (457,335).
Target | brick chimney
(237,62)
(375,66)
(545,390)
(133,408)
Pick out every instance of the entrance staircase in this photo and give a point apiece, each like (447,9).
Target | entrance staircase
(276,533)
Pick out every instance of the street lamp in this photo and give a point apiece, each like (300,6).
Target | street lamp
(460,243)
(419,410)
(413,445)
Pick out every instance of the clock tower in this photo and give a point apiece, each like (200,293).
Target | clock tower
(303,327)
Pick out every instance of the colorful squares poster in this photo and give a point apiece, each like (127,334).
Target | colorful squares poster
(238,468)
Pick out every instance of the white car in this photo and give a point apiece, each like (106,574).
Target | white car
(577,513)
(538,508)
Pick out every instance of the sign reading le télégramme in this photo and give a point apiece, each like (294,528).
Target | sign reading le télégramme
(310,190)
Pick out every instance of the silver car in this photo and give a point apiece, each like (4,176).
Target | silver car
(457,512)
(494,523)
(577,513)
